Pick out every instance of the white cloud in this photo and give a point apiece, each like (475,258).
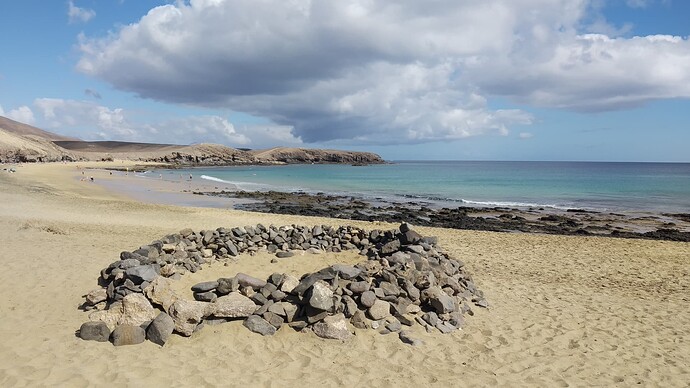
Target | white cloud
(382,72)
(90,121)
(77,14)
(638,3)
(23,114)
(197,129)
(73,115)
(594,73)
(526,135)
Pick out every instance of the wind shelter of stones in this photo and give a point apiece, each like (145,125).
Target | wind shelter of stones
(406,280)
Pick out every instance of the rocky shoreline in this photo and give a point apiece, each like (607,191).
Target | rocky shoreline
(672,227)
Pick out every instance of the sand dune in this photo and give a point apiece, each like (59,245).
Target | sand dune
(565,311)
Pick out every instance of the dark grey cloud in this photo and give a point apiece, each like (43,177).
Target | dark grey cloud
(92,93)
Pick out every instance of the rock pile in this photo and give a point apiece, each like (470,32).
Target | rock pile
(406,280)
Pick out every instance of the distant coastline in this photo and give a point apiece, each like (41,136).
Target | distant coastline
(21,143)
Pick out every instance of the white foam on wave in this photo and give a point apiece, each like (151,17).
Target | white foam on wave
(513,204)
(214,179)
(238,184)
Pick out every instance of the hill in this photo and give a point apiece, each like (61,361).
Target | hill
(24,143)
(310,155)
(22,129)
(17,148)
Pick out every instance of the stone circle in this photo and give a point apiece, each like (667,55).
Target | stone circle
(405,280)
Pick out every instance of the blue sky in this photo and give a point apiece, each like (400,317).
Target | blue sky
(604,80)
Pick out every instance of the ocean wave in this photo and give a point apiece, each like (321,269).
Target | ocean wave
(434,198)
(214,179)
(238,184)
(513,204)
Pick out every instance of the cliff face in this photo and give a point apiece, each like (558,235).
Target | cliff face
(15,148)
(24,143)
(197,154)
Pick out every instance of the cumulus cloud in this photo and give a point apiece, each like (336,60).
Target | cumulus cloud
(387,72)
(92,121)
(77,14)
(23,114)
(108,123)
(595,73)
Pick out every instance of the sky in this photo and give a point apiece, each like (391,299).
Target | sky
(577,80)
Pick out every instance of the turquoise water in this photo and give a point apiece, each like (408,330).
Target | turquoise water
(655,187)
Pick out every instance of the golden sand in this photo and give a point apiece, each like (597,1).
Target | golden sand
(565,311)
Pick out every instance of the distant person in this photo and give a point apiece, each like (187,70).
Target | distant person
(91,178)
(190,177)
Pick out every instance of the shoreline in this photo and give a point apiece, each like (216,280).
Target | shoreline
(484,195)
(173,189)
(675,227)
(564,310)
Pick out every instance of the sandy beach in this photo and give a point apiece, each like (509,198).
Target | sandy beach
(564,310)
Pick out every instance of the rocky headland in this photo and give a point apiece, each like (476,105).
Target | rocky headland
(21,143)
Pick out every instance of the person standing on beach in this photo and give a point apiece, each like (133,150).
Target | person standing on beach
(190,177)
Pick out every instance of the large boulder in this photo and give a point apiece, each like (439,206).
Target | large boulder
(142,273)
(439,300)
(187,314)
(136,310)
(321,296)
(94,331)
(346,272)
(109,317)
(128,335)
(205,286)
(96,296)
(250,281)
(234,305)
(259,325)
(160,329)
(289,283)
(379,310)
(160,292)
(333,327)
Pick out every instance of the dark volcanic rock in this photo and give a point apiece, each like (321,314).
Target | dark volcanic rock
(128,335)
(94,331)
(259,325)
(205,286)
(160,329)
(142,273)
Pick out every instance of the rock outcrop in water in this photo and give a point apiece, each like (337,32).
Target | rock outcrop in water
(305,156)
(406,280)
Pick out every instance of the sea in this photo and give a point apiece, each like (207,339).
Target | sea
(596,186)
